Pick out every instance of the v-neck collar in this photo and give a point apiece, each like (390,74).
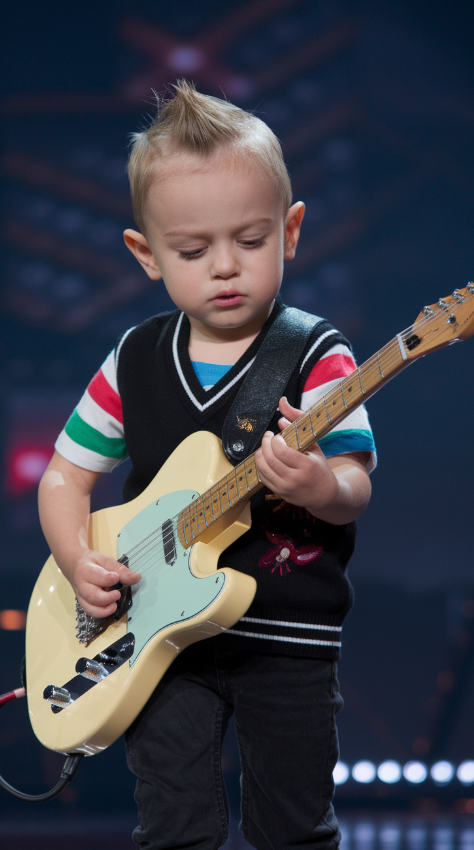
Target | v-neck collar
(205,402)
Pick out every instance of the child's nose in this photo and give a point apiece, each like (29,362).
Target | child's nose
(224,263)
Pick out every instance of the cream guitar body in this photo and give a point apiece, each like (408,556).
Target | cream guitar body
(179,601)
(81,698)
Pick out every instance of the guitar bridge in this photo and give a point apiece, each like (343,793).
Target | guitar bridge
(88,627)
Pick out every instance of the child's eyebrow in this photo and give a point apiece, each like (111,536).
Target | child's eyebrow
(200,234)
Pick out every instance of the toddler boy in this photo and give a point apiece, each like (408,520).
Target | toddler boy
(212,200)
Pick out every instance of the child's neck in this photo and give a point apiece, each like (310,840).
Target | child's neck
(222,345)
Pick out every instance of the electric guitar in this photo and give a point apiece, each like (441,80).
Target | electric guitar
(88,679)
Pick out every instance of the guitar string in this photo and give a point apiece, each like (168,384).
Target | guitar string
(144,556)
(156,536)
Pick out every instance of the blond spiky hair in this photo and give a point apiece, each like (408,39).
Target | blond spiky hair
(194,123)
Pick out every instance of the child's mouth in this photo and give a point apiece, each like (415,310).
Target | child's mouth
(227,299)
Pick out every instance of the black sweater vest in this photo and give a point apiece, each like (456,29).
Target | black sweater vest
(299,562)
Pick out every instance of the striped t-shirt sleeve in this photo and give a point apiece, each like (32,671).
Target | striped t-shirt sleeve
(354,433)
(93,437)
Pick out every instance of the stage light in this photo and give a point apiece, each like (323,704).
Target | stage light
(415,772)
(364,771)
(443,838)
(442,772)
(12,620)
(340,773)
(390,836)
(364,834)
(389,772)
(416,838)
(465,773)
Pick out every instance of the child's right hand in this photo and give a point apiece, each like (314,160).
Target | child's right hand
(93,576)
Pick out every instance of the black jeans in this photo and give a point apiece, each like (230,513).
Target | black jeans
(285,722)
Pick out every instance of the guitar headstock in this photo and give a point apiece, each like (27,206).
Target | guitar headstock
(449,320)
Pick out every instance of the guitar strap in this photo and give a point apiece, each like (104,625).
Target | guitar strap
(257,400)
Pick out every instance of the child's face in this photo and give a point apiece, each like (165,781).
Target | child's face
(217,236)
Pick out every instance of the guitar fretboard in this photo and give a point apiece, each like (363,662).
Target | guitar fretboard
(243,481)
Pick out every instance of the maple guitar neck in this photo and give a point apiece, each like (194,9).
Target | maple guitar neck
(448,321)
(313,424)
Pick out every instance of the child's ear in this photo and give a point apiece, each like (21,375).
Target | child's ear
(293,228)
(138,245)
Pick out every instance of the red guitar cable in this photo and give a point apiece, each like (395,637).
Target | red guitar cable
(16,694)
(69,767)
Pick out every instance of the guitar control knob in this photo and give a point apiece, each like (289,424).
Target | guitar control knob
(91,669)
(57,696)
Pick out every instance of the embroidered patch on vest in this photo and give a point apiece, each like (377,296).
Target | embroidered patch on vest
(286,550)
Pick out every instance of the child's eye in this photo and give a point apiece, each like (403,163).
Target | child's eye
(254,243)
(190,255)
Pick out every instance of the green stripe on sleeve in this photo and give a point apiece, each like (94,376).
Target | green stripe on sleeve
(90,438)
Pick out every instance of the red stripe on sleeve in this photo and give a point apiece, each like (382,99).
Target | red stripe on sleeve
(330,368)
(103,395)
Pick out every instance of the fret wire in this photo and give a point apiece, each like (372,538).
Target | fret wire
(380,367)
(305,420)
(184,533)
(204,500)
(246,477)
(234,474)
(212,509)
(311,422)
(237,479)
(228,494)
(297,437)
(360,381)
(327,411)
(343,396)
(197,521)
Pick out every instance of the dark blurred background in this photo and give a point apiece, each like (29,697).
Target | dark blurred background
(373,103)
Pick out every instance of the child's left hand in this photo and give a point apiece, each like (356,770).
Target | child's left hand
(336,490)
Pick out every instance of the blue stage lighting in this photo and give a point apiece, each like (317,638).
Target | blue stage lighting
(465,773)
(415,772)
(364,771)
(340,773)
(389,772)
(442,772)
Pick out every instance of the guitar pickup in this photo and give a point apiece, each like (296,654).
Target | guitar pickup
(169,543)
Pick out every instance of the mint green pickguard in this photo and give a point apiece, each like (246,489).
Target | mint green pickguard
(167,594)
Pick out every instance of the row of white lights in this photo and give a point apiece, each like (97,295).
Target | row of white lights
(414,771)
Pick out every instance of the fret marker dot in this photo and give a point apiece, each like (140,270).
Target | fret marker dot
(215,500)
(334,402)
(350,390)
